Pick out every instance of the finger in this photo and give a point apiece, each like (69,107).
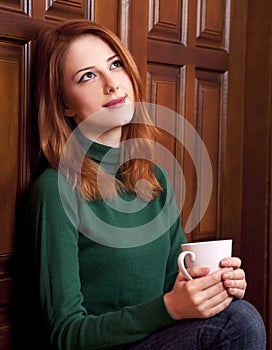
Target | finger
(231,262)
(218,298)
(236,287)
(237,274)
(204,288)
(219,305)
(195,272)
(202,300)
(213,291)
(212,279)
(240,284)
(198,271)
(237,284)
(181,277)
(237,293)
(214,305)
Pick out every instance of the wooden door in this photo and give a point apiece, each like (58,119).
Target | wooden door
(20,22)
(188,66)
(256,247)
(210,61)
(192,61)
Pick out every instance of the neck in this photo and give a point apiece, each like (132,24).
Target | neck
(110,138)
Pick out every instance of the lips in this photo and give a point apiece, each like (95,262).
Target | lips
(116,102)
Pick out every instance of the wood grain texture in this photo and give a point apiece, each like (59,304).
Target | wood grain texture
(207,60)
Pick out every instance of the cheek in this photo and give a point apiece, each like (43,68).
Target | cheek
(130,90)
(81,102)
(127,84)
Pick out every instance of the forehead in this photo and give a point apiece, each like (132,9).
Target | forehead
(88,46)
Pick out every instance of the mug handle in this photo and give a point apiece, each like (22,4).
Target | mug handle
(181,263)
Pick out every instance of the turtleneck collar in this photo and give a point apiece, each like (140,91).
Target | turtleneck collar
(109,157)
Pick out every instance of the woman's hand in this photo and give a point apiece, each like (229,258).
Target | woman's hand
(234,280)
(202,297)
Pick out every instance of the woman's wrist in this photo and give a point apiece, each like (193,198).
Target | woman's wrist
(169,305)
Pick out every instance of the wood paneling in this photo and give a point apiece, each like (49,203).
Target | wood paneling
(177,54)
(188,34)
(19,6)
(213,19)
(12,158)
(166,21)
(233,164)
(257,158)
(9,146)
(99,14)
(19,26)
(64,9)
(164,86)
(196,59)
(206,98)
(133,32)
(210,120)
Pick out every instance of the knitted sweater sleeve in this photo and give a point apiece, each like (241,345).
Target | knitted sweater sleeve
(177,237)
(70,326)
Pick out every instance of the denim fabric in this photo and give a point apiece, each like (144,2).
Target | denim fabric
(239,326)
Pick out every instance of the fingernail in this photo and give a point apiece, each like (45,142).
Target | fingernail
(225,262)
(229,283)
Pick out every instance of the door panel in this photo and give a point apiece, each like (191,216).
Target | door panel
(174,40)
(165,21)
(9,146)
(62,9)
(213,24)
(12,146)
(164,86)
(210,122)
(19,6)
(192,61)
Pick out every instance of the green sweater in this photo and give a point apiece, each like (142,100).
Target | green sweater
(96,294)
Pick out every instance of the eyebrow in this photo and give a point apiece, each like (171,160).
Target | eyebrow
(92,67)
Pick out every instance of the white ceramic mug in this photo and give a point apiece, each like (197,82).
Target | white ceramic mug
(204,254)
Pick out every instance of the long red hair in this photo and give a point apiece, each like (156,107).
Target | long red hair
(55,127)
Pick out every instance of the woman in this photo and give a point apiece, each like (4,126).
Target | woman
(100,289)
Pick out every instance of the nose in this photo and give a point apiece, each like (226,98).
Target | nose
(110,85)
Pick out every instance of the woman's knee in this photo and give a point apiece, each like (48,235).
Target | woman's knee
(248,321)
(239,326)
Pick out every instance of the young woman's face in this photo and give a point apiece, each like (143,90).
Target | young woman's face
(96,81)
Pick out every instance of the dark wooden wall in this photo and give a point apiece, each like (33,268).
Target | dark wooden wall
(207,60)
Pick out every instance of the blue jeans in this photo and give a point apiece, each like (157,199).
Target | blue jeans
(238,327)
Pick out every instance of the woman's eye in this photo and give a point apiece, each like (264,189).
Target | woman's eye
(116,64)
(85,77)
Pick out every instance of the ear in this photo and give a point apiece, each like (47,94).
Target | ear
(69,112)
